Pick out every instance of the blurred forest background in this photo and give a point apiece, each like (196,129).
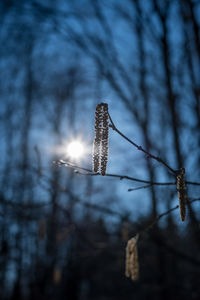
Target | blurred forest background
(63,235)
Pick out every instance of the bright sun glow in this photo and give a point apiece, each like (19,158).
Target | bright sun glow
(75,149)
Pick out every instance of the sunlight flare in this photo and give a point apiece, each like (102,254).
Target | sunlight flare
(75,149)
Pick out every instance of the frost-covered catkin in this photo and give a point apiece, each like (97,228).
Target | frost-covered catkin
(97,139)
(132,264)
(100,145)
(182,195)
(104,146)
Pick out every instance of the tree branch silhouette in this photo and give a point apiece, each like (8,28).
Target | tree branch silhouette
(89,172)
(146,229)
(149,155)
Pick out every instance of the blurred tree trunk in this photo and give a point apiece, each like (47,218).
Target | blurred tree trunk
(145,119)
(25,181)
(171,98)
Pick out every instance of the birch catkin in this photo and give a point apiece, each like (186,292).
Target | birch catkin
(100,145)
(132,264)
(181,188)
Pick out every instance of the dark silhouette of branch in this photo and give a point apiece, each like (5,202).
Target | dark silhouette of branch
(149,155)
(89,172)
(61,162)
(146,229)
(139,188)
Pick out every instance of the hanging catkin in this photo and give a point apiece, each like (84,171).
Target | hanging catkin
(132,264)
(182,196)
(100,145)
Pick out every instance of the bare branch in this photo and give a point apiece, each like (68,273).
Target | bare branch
(89,172)
(139,188)
(149,155)
(146,229)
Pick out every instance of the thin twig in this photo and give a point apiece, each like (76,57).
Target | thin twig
(121,177)
(149,155)
(107,210)
(192,183)
(89,172)
(140,188)
(146,229)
